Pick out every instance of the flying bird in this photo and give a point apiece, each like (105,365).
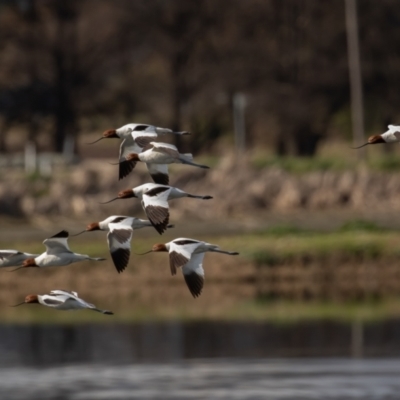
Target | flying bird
(57,253)
(61,300)
(135,138)
(392,135)
(154,199)
(120,230)
(157,156)
(188,254)
(13,258)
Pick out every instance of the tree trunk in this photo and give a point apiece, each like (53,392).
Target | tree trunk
(4,126)
(306,141)
(177,95)
(63,55)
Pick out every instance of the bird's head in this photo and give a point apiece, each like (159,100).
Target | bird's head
(94,226)
(110,133)
(29,262)
(159,247)
(374,139)
(30,299)
(126,194)
(132,157)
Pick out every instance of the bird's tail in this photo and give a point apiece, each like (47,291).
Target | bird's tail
(97,259)
(148,223)
(188,159)
(106,312)
(192,196)
(231,253)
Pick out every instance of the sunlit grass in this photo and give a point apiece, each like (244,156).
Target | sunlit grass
(277,311)
(367,244)
(301,165)
(284,311)
(331,156)
(355,238)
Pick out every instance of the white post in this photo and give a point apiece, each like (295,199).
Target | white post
(45,166)
(353,51)
(68,148)
(30,157)
(239,123)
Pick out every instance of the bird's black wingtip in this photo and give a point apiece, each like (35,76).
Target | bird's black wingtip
(61,234)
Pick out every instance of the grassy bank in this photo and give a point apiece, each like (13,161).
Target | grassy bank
(283,274)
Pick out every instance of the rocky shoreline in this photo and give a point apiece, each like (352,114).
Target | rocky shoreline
(238,189)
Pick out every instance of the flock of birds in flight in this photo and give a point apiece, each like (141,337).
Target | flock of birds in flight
(138,145)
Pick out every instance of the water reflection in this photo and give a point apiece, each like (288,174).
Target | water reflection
(46,345)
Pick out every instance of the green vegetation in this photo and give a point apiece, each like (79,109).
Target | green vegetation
(275,311)
(284,243)
(280,242)
(388,163)
(339,159)
(355,243)
(292,311)
(301,165)
(358,225)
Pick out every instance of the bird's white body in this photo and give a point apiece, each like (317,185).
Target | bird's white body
(157,157)
(163,153)
(126,130)
(196,247)
(135,223)
(60,259)
(142,192)
(392,135)
(58,253)
(63,300)
(13,258)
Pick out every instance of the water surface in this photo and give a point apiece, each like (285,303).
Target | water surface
(284,379)
(200,360)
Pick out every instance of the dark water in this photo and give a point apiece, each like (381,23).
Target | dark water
(47,345)
(201,361)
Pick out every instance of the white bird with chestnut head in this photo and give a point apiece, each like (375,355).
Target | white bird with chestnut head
(61,300)
(57,254)
(135,138)
(157,156)
(392,135)
(188,254)
(154,199)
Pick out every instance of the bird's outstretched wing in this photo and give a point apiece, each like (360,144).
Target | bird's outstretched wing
(57,243)
(155,204)
(159,173)
(193,273)
(180,252)
(119,242)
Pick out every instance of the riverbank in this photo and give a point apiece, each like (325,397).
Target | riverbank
(282,274)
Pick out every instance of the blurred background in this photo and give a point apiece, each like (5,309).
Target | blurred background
(274,93)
